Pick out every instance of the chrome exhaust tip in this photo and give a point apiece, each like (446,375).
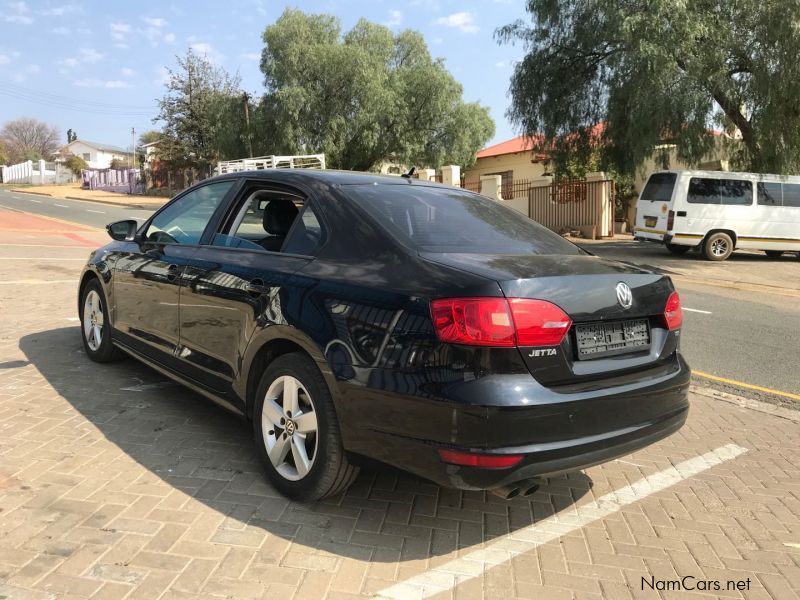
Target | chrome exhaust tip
(523,487)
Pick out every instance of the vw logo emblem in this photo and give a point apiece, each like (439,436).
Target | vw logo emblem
(624,295)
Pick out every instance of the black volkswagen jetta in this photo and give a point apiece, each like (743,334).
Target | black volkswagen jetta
(349,315)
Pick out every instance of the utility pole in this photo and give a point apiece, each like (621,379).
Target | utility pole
(246,102)
(133,148)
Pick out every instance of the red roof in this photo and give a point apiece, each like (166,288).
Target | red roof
(520,143)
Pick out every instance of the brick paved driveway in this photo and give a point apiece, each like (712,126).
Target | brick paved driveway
(116,483)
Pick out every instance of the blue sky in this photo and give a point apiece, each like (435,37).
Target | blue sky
(98,66)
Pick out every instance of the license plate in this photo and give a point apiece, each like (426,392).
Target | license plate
(650,221)
(607,339)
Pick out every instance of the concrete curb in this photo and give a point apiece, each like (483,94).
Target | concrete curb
(757,405)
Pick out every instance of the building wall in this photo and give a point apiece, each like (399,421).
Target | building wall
(715,161)
(98,159)
(519,162)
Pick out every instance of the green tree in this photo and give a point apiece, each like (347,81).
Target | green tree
(363,97)
(200,126)
(3,154)
(661,70)
(75,164)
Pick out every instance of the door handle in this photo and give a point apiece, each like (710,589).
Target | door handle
(172,272)
(256,287)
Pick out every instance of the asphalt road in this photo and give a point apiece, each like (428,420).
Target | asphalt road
(93,214)
(744,335)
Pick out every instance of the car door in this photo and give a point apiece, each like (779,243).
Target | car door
(147,279)
(233,285)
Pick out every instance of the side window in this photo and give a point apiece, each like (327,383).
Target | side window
(262,221)
(307,235)
(184,221)
(769,194)
(791,194)
(703,191)
(736,192)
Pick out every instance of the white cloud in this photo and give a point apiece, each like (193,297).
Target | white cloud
(33,69)
(58,11)
(465,21)
(501,64)
(395,18)
(127,72)
(87,82)
(157,22)
(16,12)
(207,50)
(91,82)
(120,30)
(169,38)
(251,56)
(89,55)
(4,59)
(85,55)
(61,30)
(162,77)
(437,40)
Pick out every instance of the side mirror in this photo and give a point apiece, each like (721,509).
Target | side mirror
(123,231)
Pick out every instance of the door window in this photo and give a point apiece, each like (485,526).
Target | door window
(185,219)
(306,236)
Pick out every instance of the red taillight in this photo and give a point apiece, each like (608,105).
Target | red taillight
(670,220)
(473,321)
(484,461)
(673,315)
(538,323)
(499,322)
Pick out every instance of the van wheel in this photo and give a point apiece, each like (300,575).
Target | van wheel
(677,249)
(718,246)
(297,432)
(774,253)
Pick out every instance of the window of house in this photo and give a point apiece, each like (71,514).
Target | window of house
(87,156)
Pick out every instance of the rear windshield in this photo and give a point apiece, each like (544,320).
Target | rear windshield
(659,187)
(432,219)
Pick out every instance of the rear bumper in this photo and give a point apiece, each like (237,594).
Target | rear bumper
(648,235)
(555,431)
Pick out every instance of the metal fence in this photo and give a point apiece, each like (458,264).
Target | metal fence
(126,181)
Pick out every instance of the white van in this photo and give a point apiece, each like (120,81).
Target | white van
(718,212)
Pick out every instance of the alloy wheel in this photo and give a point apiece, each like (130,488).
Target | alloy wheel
(289,423)
(93,320)
(719,247)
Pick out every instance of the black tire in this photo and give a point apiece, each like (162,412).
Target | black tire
(105,351)
(330,471)
(718,246)
(774,253)
(678,249)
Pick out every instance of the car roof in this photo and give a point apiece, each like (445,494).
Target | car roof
(731,175)
(328,176)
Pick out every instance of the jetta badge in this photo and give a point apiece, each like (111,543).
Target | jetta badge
(624,295)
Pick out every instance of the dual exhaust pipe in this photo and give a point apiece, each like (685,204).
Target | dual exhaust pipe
(523,488)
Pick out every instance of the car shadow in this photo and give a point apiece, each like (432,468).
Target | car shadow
(195,446)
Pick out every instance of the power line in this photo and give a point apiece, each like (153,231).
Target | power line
(74,104)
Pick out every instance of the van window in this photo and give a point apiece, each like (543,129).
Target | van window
(730,192)
(659,187)
(791,194)
(735,192)
(703,191)
(769,194)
